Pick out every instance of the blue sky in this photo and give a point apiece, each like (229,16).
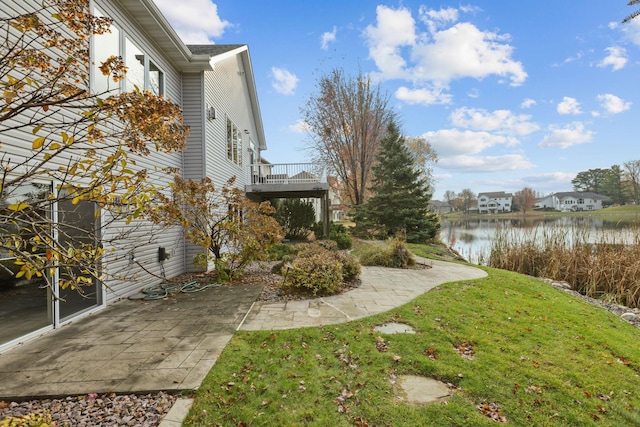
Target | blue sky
(510,94)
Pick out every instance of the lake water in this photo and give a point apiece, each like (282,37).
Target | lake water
(472,237)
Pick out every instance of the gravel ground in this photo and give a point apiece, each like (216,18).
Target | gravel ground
(96,410)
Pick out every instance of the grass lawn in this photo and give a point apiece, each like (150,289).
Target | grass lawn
(542,356)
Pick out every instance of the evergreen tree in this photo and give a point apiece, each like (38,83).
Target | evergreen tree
(400,194)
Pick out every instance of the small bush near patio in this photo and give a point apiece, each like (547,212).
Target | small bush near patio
(337,233)
(318,273)
(278,251)
(350,266)
(393,254)
(318,268)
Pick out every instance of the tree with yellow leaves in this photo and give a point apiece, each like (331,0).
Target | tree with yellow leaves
(84,146)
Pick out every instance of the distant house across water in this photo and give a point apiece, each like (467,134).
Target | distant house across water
(572,201)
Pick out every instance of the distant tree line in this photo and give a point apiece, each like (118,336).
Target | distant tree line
(620,184)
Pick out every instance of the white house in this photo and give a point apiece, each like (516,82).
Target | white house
(572,201)
(494,202)
(215,87)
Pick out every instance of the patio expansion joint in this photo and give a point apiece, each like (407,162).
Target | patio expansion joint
(336,309)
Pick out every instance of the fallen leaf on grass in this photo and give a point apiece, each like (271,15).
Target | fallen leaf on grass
(534,389)
(430,353)
(465,349)
(381,346)
(492,411)
(623,361)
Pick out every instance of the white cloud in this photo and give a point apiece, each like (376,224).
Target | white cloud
(395,28)
(195,21)
(473,93)
(437,55)
(422,96)
(464,51)
(453,142)
(631,30)
(564,137)
(328,37)
(549,182)
(617,58)
(501,121)
(464,163)
(550,179)
(569,106)
(613,104)
(284,82)
(528,103)
(437,18)
(300,126)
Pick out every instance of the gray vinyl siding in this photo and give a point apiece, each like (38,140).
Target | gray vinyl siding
(194,155)
(227,90)
(193,113)
(146,237)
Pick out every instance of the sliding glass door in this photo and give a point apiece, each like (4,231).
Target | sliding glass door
(31,305)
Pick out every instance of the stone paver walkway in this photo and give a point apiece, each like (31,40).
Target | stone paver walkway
(381,290)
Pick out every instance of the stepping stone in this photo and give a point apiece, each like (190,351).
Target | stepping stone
(395,328)
(421,390)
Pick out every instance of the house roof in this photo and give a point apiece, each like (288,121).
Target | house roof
(496,194)
(213,49)
(220,52)
(580,194)
(151,21)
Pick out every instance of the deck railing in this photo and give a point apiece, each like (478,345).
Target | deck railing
(286,173)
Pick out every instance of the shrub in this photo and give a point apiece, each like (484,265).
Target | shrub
(342,239)
(350,266)
(30,420)
(394,254)
(278,251)
(296,217)
(318,230)
(337,233)
(329,245)
(319,273)
(318,268)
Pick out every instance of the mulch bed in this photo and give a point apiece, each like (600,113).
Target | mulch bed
(259,274)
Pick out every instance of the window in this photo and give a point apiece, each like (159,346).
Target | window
(156,80)
(134,60)
(234,143)
(104,46)
(142,72)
